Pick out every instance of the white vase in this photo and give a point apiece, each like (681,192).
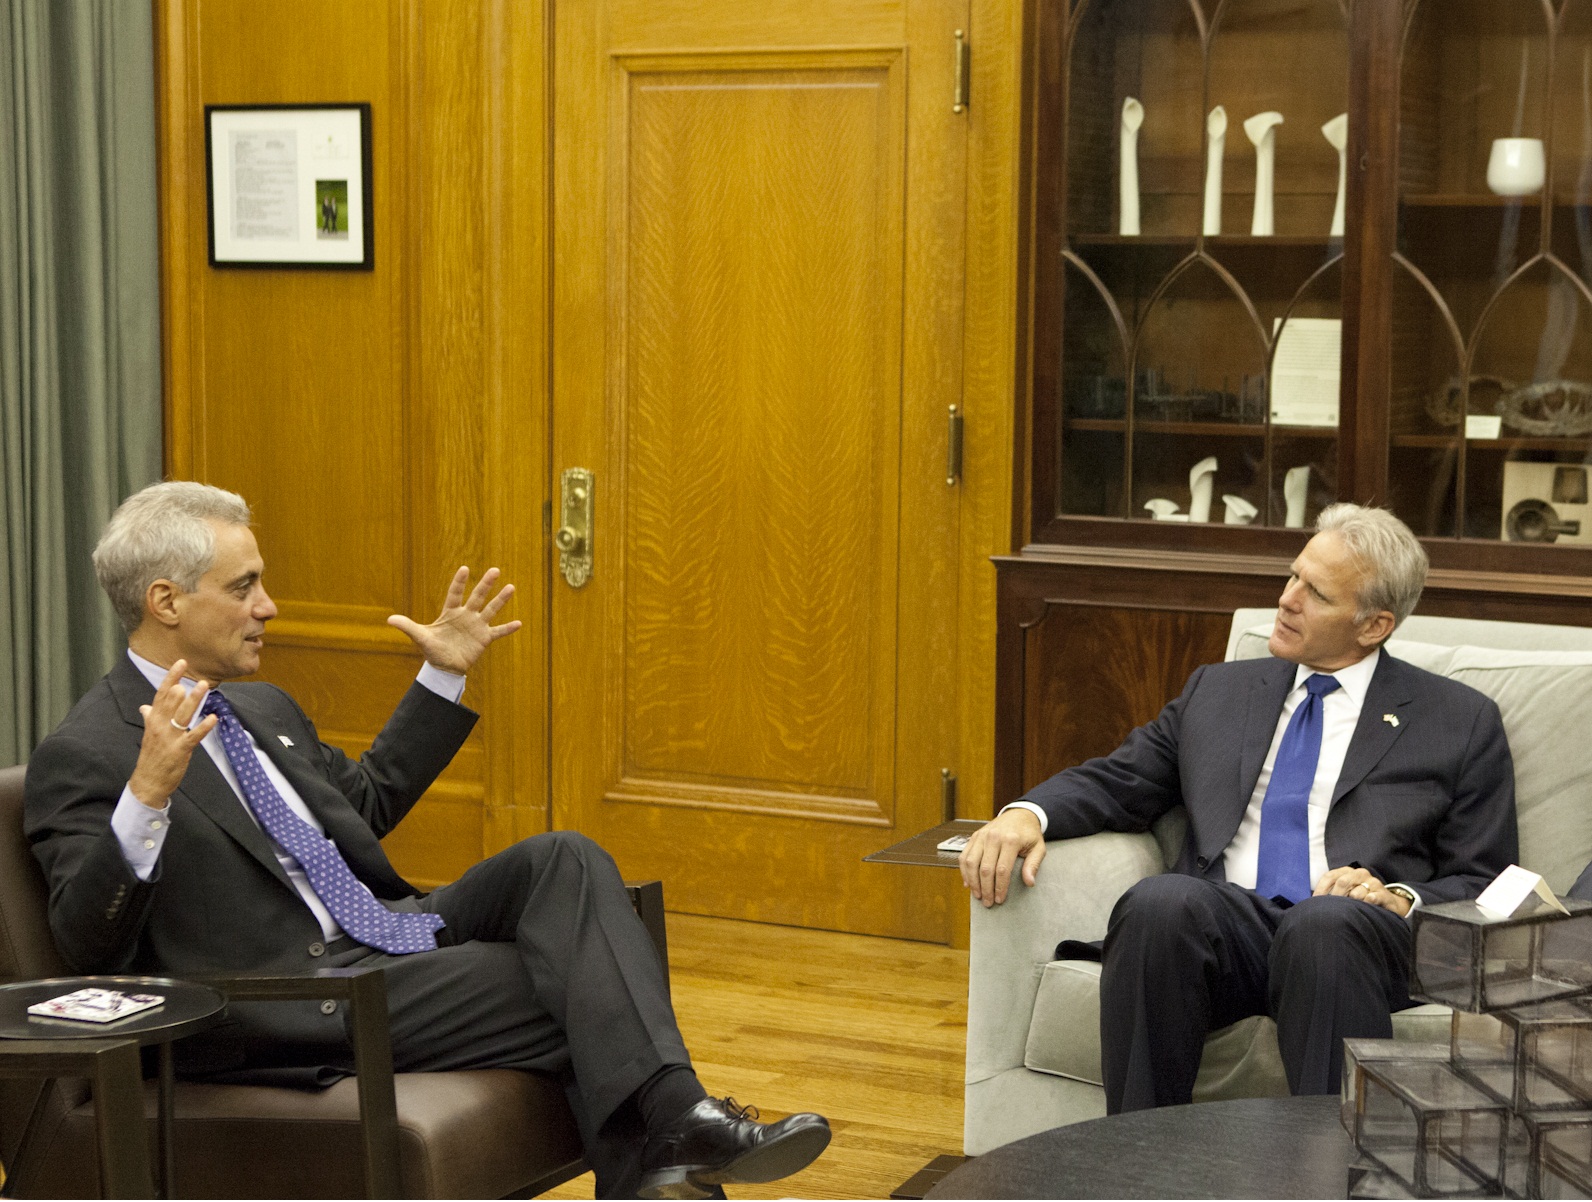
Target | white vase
(1164,511)
(1336,132)
(1295,492)
(1237,511)
(1201,479)
(1215,144)
(1128,174)
(1515,167)
(1262,131)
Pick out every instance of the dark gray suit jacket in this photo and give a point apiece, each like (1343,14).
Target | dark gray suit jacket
(219,901)
(1429,802)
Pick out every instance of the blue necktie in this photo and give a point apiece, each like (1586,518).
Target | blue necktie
(1284,869)
(353,905)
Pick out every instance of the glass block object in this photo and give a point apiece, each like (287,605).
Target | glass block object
(1474,960)
(1560,1154)
(1437,1133)
(1532,1058)
(1362,1051)
(1367,1179)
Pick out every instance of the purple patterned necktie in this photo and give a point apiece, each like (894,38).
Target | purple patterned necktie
(353,905)
(1284,868)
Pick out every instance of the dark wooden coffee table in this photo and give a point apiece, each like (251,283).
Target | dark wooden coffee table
(1248,1148)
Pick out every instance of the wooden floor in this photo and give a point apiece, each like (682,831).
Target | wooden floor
(868,1032)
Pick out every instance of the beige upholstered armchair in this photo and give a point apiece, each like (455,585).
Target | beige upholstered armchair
(1033,1029)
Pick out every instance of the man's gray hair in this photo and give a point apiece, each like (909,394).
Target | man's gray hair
(162,532)
(1393,558)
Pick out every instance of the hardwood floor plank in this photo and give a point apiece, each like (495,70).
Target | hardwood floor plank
(869,1032)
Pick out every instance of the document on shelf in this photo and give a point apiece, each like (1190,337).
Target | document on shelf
(1304,371)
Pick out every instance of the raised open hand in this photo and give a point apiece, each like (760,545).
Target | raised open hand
(464,627)
(168,742)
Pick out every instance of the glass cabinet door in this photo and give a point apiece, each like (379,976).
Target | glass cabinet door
(1491,392)
(1201,315)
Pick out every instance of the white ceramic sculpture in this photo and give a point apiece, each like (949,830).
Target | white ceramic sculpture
(1262,131)
(1336,132)
(1201,479)
(1295,492)
(1128,175)
(1215,144)
(1164,510)
(1238,512)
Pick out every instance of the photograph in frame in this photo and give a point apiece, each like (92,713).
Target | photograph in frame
(289,186)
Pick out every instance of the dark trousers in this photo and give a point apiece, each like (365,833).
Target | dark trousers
(1184,957)
(543,965)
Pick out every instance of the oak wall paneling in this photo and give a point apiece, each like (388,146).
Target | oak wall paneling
(389,425)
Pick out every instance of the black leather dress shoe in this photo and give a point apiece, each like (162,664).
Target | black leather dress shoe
(717,1142)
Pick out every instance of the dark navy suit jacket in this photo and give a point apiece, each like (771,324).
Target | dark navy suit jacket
(1428,800)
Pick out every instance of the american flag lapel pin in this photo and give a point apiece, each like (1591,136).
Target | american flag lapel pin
(287,742)
(1391,719)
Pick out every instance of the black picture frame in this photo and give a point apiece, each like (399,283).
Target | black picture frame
(279,197)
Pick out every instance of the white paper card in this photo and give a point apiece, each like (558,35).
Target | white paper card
(1304,371)
(1511,890)
(1483,425)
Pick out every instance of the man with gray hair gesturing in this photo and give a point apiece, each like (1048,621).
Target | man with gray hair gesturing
(261,854)
(1329,791)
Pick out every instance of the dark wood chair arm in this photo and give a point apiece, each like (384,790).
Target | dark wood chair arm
(365,990)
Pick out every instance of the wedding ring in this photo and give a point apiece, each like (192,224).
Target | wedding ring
(176,725)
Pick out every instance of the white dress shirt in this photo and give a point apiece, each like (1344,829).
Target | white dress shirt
(141,831)
(1340,716)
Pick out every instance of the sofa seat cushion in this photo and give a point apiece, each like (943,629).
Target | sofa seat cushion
(1240,1061)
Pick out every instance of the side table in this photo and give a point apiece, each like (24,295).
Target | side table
(921,849)
(35,1047)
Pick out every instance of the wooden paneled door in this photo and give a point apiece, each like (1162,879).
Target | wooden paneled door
(758,215)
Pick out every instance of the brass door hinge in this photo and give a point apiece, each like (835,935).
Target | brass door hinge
(953,446)
(964,72)
(947,795)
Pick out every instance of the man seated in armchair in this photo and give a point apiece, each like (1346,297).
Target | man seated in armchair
(1329,790)
(261,854)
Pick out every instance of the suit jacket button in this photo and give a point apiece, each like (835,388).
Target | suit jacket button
(328,1007)
(1203,863)
(111,913)
(317,948)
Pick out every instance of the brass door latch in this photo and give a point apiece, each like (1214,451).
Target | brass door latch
(573,538)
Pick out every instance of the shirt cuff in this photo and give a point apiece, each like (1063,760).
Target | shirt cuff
(1044,823)
(141,831)
(1414,905)
(447,685)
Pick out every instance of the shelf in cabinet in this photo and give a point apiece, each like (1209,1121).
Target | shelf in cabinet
(1310,241)
(1482,200)
(1521,443)
(1106,425)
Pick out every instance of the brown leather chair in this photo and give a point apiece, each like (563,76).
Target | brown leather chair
(491,1133)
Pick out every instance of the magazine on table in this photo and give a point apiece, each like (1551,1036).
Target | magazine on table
(95,1005)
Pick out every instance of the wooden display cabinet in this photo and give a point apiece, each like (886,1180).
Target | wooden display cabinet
(1464,398)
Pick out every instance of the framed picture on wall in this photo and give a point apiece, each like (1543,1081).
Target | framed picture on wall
(289,186)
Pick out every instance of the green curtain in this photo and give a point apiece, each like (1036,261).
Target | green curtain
(80,407)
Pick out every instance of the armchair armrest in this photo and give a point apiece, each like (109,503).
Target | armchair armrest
(1077,886)
(365,990)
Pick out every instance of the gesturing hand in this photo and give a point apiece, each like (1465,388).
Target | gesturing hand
(168,743)
(464,627)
